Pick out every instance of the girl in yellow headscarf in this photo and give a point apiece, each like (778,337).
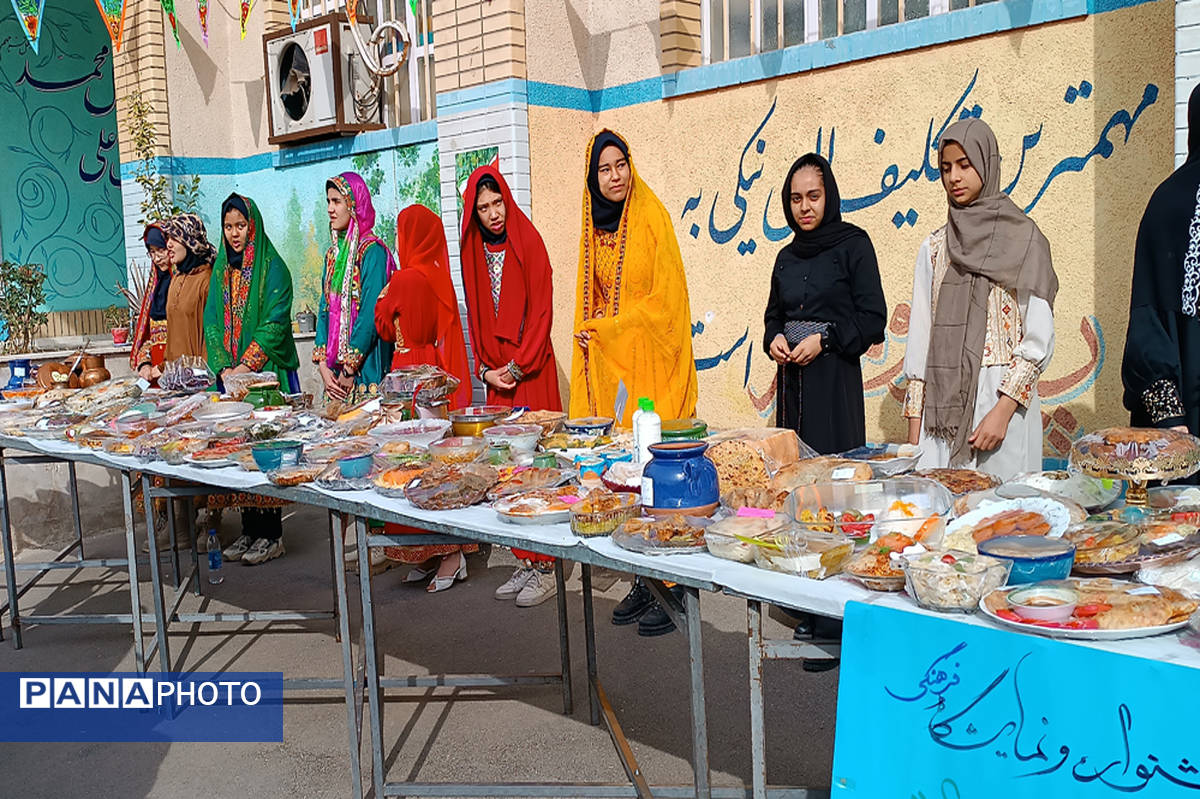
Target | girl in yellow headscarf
(632,319)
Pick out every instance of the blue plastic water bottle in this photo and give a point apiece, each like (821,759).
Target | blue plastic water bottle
(215,577)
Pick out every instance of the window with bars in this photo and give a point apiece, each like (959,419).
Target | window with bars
(736,28)
(409,95)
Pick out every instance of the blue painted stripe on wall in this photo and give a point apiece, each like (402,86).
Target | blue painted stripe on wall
(370,141)
(488,95)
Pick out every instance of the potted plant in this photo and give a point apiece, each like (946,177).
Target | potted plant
(117,319)
(22,296)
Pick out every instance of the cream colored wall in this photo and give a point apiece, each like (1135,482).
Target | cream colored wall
(592,44)
(692,147)
(218,97)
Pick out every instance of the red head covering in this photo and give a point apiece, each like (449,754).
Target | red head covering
(519,331)
(418,309)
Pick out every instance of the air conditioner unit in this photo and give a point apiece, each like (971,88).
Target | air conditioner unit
(313,74)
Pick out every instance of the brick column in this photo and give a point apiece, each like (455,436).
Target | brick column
(1187,68)
(679,30)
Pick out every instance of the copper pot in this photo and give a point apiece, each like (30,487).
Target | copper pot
(93,374)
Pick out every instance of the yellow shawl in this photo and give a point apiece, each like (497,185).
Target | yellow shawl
(641,333)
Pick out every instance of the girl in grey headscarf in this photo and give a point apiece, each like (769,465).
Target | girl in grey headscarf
(981,328)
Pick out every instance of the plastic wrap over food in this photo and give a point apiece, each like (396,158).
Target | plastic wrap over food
(186,373)
(239,385)
(424,383)
(1183,576)
(749,457)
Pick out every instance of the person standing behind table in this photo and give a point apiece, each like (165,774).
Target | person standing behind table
(507,280)
(192,256)
(149,344)
(981,328)
(248,328)
(632,317)
(826,308)
(1160,369)
(347,349)
(170,320)
(418,311)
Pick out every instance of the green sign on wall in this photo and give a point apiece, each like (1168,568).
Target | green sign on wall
(59,161)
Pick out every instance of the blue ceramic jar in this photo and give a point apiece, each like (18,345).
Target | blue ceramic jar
(680,477)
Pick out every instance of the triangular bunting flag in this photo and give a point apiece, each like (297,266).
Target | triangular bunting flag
(169,10)
(247,6)
(294,11)
(352,12)
(113,14)
(202,8)
(30,14)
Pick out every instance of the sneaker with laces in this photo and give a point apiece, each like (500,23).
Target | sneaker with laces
(262,550)
(237,549)
(540,587)
(512,588)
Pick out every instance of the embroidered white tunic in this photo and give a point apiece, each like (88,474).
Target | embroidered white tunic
(1018,346)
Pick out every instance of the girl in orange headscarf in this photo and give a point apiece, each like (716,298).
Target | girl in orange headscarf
(632,317)
(419,312)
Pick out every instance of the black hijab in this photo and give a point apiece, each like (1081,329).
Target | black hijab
(832,231)
(233,203)
(154,237)
(606,214)
(489,183)
(1162,265)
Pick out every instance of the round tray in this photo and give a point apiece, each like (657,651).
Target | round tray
(875,582)
(339,483)
(1081,635)
(1136,454)
(1131,565)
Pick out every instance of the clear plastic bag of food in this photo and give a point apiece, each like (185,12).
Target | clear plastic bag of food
(748,457)
(448,487)
(239,385)
(423,384)
(186,373)
(807,553)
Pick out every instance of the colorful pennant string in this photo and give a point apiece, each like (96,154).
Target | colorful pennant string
(113,14)
(30,14)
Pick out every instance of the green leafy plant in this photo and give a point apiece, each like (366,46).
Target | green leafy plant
(116,316)
(22,295)
(157,202)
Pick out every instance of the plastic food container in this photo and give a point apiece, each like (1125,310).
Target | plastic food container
(589,425)
(949,580)
(418,432)
(271,455)
(549,421)
(519,437)
(725,538)
(600,514)
(1034,558)
(457,449)
(886,460)
(899,505)
(684,429)
(795,550)
(356,466)
(1105,542)
(473,421)
(1054,603)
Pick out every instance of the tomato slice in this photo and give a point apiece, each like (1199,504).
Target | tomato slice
(1082,611)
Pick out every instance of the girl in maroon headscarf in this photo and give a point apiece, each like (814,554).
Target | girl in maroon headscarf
(506,276)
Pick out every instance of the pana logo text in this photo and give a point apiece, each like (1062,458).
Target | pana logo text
(133,693)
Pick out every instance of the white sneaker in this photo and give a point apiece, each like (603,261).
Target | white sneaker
(515,584)
(540,587)
(263,550)
(237,549)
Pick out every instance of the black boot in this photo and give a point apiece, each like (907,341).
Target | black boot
(824,629)
(656,621)
(634,605)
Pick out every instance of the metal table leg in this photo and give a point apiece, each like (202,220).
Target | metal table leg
(373,691)
(691,604)
(74,480)
(589,634)
(135,597)
(758,747)
(343,627)
(10,566)
(564,637)
(161,621)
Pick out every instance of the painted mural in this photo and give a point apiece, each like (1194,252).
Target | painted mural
(467,162)
(62,203)
(292,200)
(1084,140)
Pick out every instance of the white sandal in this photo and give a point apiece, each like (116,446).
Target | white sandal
(442,583)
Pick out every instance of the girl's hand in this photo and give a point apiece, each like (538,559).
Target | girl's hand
(991,431)
(806,351)
(914,431)
(779,349)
